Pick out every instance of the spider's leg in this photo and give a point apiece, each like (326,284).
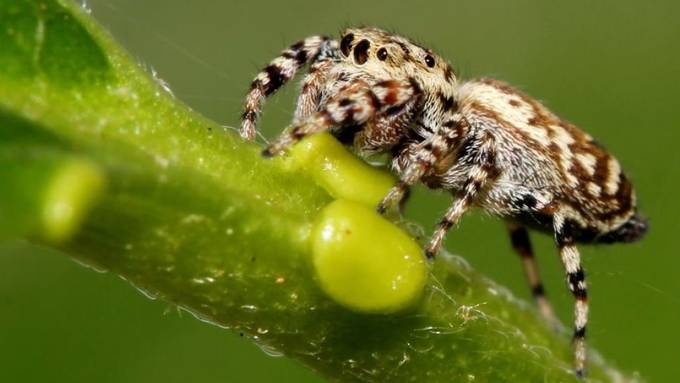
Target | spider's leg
(277,73)
(352,106)
(439,117)
(421,156)
(576,279)
(519,236)
(312,89)
(482,171)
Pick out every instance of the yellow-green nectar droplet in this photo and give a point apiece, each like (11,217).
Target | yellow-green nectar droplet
(364,262)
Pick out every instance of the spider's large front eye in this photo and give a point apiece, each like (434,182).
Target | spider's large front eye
(382,54)
(429,60)
(361,51)
(346,43)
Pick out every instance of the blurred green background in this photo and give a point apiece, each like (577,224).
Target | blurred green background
(610,67)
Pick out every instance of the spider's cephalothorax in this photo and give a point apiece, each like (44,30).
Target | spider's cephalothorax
(485,142)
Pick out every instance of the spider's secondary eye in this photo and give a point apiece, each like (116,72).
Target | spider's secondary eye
(429,60)
(382,54)
(345,43)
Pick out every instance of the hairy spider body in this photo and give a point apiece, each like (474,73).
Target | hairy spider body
(485,142)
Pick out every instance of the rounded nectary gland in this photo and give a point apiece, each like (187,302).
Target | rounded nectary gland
(339,172)
(364,262)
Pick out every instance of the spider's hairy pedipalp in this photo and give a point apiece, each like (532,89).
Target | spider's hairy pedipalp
(352,106)
(382,132)
(277,73)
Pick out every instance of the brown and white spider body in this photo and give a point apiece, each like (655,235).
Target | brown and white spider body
(485,142)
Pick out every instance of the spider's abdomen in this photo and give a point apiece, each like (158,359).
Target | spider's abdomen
(543,161)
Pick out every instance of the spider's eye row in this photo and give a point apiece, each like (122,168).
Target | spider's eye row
(346,43)
(429,60)
(382,54)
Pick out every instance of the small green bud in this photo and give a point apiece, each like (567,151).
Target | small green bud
(74,188)
(363,261)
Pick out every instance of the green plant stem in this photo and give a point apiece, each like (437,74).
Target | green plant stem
(188,212)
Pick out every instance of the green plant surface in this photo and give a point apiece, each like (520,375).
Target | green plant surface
(186,211)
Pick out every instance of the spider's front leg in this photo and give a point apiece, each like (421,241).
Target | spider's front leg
(312,89)
(278,72)
(354,105)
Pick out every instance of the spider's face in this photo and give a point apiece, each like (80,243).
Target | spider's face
(377,54)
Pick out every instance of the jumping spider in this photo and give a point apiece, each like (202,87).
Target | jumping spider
(485,142)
